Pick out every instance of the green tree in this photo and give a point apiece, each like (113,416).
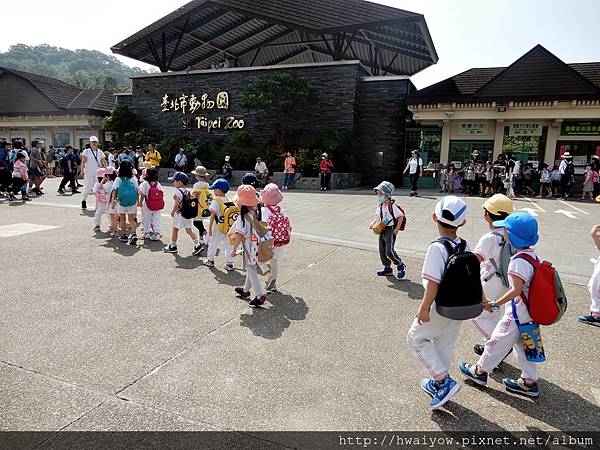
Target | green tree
(282,94)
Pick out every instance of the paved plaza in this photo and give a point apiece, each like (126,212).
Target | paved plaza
(99,335)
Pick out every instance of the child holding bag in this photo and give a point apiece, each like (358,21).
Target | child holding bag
(102,192)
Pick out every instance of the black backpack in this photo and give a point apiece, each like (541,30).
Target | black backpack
(460,293)
(188,208)
(570,169)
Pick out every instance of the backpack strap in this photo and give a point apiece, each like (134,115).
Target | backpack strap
(451,249)
(535,263)
(493,261)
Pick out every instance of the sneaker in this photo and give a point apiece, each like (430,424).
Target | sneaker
(591,319)
(243,294)
(478,349)
(26,198)
(471,372)
(229,267)
(112,233)
(258,301)
(83,204)
(123,238)
(61,191)
(386,271)
(208,263)
(197,250)
(170,248)
(444,392)
(133,239)
(401,271)
(428,386)
(155,236)
(519,387)
(147,236)
(271,286)
(97,228)
(75,191)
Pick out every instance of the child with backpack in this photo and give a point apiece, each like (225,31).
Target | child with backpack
(223,213)
(185,209)
(247,234)
(494,252)
(280,227)
(102,192)
(594,284)
(124,197)
(453,293)
(204,197)
(521,231)
(388,222)
(111,174)
(20,176)
(152,202)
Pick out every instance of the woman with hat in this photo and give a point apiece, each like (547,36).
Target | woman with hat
(325,169)
(566,171)
(247,236)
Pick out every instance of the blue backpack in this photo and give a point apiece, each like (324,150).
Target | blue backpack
(127,193)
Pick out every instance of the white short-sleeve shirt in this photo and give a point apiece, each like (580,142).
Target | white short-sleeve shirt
(414,164)
(435,262)
(94,159)
(384,210)
(489,247)
(145,188)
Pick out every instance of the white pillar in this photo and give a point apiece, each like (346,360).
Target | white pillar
(551,139)
(445,145)
(498,139)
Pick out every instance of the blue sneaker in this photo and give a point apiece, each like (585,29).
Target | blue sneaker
(386,271)
(519,387)
(472,374)
(401,271)
(427,384)
(444,392)
(591,319)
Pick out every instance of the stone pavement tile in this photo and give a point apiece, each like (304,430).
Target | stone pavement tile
(33,402)
(329,352)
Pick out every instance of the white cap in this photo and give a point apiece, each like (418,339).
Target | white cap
(93,139)
(451,210)
(227,159)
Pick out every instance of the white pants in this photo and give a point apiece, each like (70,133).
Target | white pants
(486,321)
(101,209)
(150,220)
(273,265)
(505,336)
(252,280)
(594,287)
(432,343)
(214,243)
(89,179)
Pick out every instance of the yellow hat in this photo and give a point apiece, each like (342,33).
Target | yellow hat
(499,204)
(598,199)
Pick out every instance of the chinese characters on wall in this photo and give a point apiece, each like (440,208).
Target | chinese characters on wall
(204,103)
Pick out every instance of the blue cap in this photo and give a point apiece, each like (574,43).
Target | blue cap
(180,176)
(220,184)
(522,229)
(249,178)
(386,188)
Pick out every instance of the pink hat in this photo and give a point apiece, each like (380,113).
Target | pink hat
(143,176)
(109,170)
(100,172)
(271,195)
(246,196)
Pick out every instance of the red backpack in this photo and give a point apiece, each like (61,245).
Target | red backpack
(155,200)
(546,301)
(280,226)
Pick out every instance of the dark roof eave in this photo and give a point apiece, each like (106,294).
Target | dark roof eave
(426,100)
(33,114)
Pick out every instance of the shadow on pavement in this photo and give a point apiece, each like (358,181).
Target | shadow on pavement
(414,290)
(122,248)
(270,323)
(455,417)
(233,278)
(187,262)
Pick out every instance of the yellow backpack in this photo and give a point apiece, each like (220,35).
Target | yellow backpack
(204,198)
(229,212)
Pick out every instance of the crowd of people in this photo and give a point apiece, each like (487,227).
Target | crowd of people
(510,176)
(505,291)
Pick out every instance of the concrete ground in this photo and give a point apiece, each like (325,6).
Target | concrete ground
(98,335)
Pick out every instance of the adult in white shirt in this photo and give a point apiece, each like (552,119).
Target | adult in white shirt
(262,173)
(92,159)
(111,160)
(180,161)
(414,167)
(566,174)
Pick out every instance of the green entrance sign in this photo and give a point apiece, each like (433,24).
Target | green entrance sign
(580,128)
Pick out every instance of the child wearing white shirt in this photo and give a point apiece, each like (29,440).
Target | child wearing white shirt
(150,217)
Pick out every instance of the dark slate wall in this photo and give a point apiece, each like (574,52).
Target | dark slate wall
(335,85)
(380,128)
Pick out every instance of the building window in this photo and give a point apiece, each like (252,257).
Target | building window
(461,151)
(427,141)
(61,140)
(525,148)
(376,159)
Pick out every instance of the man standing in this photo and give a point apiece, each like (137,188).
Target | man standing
(37,168)
(92,159)
(262,173)
(180,161)
(69,168)
(566,171)
(153,156)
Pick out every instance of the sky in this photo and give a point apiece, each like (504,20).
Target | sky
(466,33)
